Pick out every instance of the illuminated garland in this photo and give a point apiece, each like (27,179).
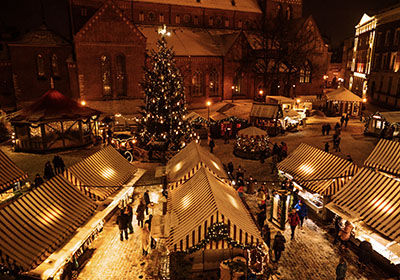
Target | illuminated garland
(217,232)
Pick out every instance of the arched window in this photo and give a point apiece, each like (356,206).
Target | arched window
(141,16)
(237,82)
(302,76)
(214,83)
(197,84)
(177,19)
(288,14)
(54,66)
(161,17)
(226,22)
(305,74)
(121,76)
(40,66)
(279,11)
(196,20)
(240,23)
(210,21)
(105,62)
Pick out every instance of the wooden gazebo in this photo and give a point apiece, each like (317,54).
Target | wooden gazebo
(54,122)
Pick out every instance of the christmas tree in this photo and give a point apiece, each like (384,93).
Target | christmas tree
(163,114)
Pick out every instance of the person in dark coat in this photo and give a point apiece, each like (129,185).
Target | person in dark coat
(323,129)
(230,168)
(294,220)
(328,128)
(122,221)
(349,158)
(327,147)
(129,212)
(147,201)
(301,211)
(341,269)
(261,216)
(38,180)
(279,245)
(48,171)
(337,144)
(346,120)
(239,173)
(55,162)
(266,233)
(212,145)
(152,240)
(275,149)
(338,227)
(364,253)
(140,213)
(341,121)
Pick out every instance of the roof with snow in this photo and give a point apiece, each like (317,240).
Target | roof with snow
(41,36)
(53,106)
(343,94)
(193,41)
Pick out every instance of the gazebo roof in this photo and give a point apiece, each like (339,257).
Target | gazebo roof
(252,131)
(343,94)
(53,106)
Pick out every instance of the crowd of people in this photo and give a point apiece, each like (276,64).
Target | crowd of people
(50,170)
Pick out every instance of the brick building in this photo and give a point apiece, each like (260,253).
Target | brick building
(104,64)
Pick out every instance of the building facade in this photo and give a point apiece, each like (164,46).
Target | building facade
(103,65)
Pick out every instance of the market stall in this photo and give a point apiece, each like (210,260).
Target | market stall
(101,174)
(252,143)
(316,174)
(10,176)
(343,102)
(291,120)
(285,102)
(219,226)
(383,124)
(371,202)
(54,122)
(56,210)
(267,117)
(385,157)
(185,164)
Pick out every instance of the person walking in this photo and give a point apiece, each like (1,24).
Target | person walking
(261,216)
(337,128)
(284,149)
(341,121)
(327,147)
(323,129)
(328,128)
(341,269)
(240,191)
(345,233)
(152,240)
(129,212)
(109,136)
(212,145)
(140,213)
(250,185)
(147,201)
(274,162)
(346,120)
(230,168)
(294,220)
(364,253)
(239,173)
(266,234)
(122,221)
(349,158)
(337,144)
(38,180)
(338,227)
(301,211)
(55,162)
(48,171)
(145,240)
(279,245)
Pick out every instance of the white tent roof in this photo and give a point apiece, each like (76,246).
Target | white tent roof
(343,94)
(252,131)
(201,202)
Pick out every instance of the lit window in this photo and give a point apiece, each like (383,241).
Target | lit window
(214,83)
(197,84)
(227,22)
(177,19)
(161,17)
(240,24)
(40,65)
(141,16)
(106,74)
(54,66)
(302,78)
(387,38)
(121,76)
(196,20)
(210,21)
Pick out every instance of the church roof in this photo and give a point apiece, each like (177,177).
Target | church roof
(188,41)
(41,36)
(53,106)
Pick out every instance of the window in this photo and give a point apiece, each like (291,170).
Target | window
(40,66)
(379,39)
(387,38)
(381,84)
(305,74)
(210,21)
(279,11)
(54,66)
(288,14)
(151,16)
(393,58)
(302,76)
(377,61)
(161,17)
(105,64)
(121,76)
(398,87)
(237,83)
(227,22)
(389,89)
(196,20)
(397,37)
(141,16)
(177,19)
(214,83)
(197,84)
(240,23)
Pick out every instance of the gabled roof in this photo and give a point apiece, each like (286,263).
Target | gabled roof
(184,164)
(41,36)
(53,106)
(109,6)
(342,94)
(202,201)
(37,223)
(10,173)
(385,157)
(188,41)
(266,111)
(316,170)
(364,19)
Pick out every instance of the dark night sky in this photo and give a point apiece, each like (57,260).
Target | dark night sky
(335,18)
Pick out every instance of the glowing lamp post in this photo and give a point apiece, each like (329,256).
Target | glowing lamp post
(208,110)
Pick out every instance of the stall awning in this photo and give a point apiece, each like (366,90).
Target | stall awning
(202,201)
(37,223)
(10,173)
(184,164)
(385,157)
(265,111)
(102,173)
(343,95)
(391,117)
(375,199)
(316,170)
(252,131)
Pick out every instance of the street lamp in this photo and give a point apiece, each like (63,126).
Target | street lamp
(261,92)
(233,88)
(208,110)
